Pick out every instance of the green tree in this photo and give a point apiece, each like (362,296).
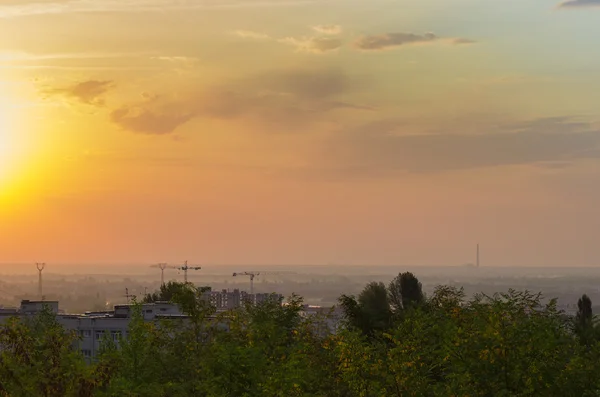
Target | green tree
(37,358)
(405,291)
(166,293)
(371,312)
(584,325)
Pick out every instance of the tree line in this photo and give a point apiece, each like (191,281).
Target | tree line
(395,341)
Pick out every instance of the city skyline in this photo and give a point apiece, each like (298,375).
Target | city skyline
(393,132)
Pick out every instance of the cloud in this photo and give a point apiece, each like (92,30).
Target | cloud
(97,61)
(394,40)
(248,34)
(148,121)
(90,92)
(179,59)
(389,40)
(580,3)
(307,84)
(328,29)
(379,147)
(19,8)
(288,99)
(314,45)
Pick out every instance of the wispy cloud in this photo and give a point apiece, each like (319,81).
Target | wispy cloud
(289,100)
(175,59)
(90,92)
(319,44)
(394,40)
(579,3)
(381,147)
(328,29)
(26,56)
(314,45)
(390,40)
(19,8)
(142,119)
(249,34)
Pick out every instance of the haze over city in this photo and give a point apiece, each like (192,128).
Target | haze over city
(275,132)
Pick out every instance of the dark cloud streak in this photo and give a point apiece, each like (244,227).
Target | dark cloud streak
(390,40)
(90,92)
(289,100)
(378,148)
(580,4)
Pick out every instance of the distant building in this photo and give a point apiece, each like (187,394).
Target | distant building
(226,300)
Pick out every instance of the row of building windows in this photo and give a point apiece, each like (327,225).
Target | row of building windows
(87,333)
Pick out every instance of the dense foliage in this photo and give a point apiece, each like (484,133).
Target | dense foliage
(394,342)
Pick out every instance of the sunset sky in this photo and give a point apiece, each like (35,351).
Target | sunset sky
(390,132)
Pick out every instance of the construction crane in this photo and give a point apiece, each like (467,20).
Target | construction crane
(162,267)
(185,269)
(251,275)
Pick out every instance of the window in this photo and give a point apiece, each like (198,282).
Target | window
(163,309)
(99,335)
(116,335)
(85,333)
(86,353)
(149,311)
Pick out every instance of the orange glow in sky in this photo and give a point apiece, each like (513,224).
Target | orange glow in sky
(299,132)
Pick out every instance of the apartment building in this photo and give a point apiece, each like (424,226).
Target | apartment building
(93,327)
(226,300)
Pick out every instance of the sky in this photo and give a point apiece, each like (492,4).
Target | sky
(387,132)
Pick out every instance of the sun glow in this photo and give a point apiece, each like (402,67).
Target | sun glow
(4,142)
(6,149)
(12,156)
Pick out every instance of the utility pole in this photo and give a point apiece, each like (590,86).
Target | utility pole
(40,267)
(127,295)
(162,267)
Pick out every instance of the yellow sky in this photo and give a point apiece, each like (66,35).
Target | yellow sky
(305,132)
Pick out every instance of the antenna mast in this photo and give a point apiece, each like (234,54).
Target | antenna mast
(40,267)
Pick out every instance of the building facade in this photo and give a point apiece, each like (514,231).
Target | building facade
(93,327)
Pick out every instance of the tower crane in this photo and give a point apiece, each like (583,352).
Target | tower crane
(185,269)
(253,274)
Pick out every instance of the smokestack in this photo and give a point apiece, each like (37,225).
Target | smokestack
(477,255)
